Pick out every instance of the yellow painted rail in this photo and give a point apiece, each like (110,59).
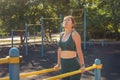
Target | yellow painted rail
(23,75)
(15,60)
(94,66)
(3,60)
(10,60)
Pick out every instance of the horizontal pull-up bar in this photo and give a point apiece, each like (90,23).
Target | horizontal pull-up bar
(18,30)
(33,25)
(77,16)
(50,18)
(79,23)
(76,9)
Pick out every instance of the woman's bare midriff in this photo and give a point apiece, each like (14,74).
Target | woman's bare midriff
(68,54)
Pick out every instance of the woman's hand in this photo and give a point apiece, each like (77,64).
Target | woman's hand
(57,66)
(83,68)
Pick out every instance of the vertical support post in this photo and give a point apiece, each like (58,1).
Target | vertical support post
(14,68)
(34,35)
(103,43)
(26,35)
(42,30)
(12,36)
(84,27)
(97,71)
(60,22)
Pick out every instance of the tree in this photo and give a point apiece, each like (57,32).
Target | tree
(100,16)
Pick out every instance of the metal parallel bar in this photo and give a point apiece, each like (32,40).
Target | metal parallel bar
(70,73)
(94,66)
(23,75)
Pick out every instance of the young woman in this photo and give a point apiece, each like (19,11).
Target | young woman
(70,56)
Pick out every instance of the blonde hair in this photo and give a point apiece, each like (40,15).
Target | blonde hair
(72,19)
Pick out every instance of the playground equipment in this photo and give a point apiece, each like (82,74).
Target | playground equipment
(42,33)
(42,26)
(35,31)
(22,37)
(14,68)
(26,33)
(13,61)
(86,3)
(76,10)
(83,11)
(97,66)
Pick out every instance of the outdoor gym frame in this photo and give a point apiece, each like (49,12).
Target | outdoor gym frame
(26,34)
(12,36)
(42,31)
(42,22)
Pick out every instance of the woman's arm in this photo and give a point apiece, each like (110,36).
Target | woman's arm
(58,59)
(77,40)
(58,54)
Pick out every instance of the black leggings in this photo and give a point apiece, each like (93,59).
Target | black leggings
(68,65)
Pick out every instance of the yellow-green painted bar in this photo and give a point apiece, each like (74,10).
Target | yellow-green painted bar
(23,75)
(3,60)
(73,73)
(10,60)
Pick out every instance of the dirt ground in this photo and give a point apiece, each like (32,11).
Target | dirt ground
(108,54)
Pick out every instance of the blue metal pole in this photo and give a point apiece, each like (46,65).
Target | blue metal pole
(60,22)
(26,35)
(14,68)
(84,27)
(12,36)
(97,71)
(103,43)
(34,36)
(42,45)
